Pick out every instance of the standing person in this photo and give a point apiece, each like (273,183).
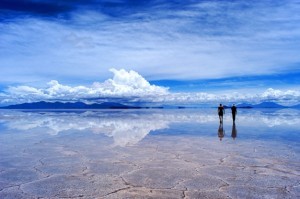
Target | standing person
(233,112)
(221,112)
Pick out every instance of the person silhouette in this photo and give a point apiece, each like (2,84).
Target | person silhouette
(221,112)
(234,131)
(221,132)
(233,112)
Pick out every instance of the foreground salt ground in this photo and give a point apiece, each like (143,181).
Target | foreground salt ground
(148,154)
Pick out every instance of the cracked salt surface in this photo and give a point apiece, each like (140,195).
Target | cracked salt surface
(149,154)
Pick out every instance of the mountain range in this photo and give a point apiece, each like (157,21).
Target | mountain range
(69,105)
(266,105)
(262,105)
(113,105)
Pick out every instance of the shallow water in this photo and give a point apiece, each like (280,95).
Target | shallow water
(149,154)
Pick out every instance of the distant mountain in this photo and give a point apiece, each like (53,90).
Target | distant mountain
(69,105)
(113,105)
(268,105)
(262,105)
(244,105)
(296,106)
(238,106)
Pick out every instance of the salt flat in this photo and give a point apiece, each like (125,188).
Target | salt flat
(149,154)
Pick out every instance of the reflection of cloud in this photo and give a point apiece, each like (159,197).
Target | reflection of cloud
(271,122)
(125,129)
(284,117)
(130,126)
(128,131)
(271,118)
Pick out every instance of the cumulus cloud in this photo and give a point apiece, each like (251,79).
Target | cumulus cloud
(131,87)
(124,84)
(278,94)
(129,83)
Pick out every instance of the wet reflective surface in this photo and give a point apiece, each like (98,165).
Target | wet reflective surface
(149,154)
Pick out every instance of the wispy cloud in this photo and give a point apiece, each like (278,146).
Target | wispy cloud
(161,40)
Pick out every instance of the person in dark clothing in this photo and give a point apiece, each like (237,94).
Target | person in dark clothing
(221,112)
(233,112)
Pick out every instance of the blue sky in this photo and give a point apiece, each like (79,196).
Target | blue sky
(210,47)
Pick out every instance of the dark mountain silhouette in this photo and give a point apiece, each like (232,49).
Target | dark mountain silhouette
(238,106)
(244,105)
(261,105)
(268,105)
(113,105)
(296,106)
(69,105)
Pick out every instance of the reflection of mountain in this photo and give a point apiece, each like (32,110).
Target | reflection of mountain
(271,118)
(128,127)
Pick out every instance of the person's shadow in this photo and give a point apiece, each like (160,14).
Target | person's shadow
(221,132)
(234,131)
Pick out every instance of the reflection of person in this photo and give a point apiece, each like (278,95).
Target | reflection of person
(234,132)
(221,111)
(233,112)
(221,132)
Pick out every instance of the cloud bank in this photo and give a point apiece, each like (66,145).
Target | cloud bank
(131,87)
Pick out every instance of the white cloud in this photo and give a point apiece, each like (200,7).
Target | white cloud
(129,83)
(123,84)
(132,87)
(278,94)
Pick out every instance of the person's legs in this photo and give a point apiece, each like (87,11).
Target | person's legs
(233,117)
(221,118)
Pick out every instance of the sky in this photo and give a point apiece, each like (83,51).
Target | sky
(163,51)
